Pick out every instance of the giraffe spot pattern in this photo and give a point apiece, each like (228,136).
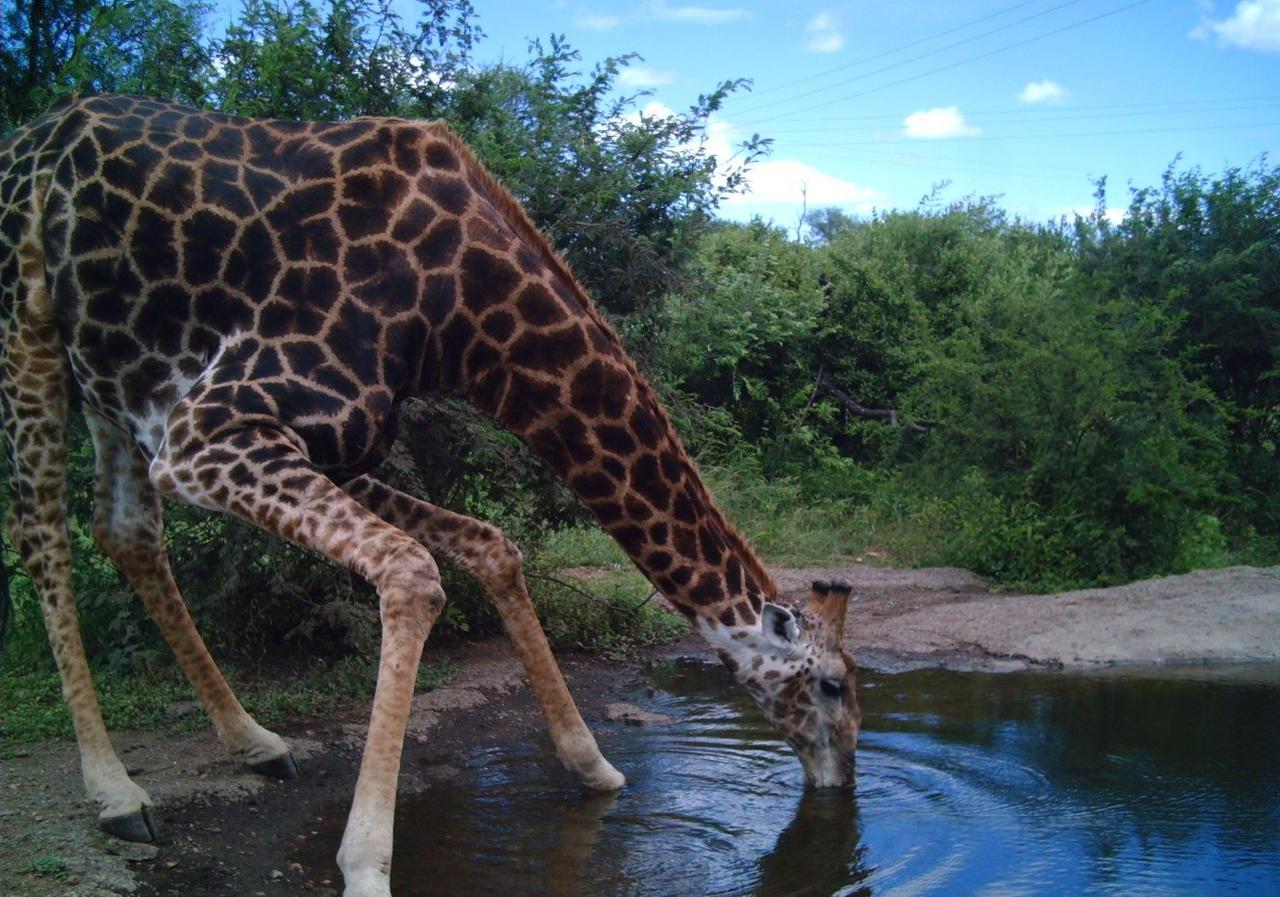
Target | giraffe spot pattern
(369,260)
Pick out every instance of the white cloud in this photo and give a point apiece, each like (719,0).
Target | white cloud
(1043,92)
(789,181)
(652,109)
(702,15)
(640,76)
(1255,25)
(824,37)
(944,121)
(599,22)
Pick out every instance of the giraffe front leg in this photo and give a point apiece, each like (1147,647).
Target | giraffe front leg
(128,527)
(485,552)
(260,474)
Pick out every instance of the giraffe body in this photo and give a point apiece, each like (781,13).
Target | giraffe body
(242,305)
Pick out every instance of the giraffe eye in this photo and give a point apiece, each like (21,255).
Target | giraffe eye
(832,688)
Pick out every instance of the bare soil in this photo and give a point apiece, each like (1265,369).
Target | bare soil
(228,832)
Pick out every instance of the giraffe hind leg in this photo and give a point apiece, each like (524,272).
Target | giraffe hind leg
(285,494)
(128,526)
(35,390)
(482,550)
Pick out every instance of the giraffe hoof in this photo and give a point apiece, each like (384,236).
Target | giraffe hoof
(282,767)
(139,825)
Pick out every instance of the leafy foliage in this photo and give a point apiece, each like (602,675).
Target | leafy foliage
(1059,405)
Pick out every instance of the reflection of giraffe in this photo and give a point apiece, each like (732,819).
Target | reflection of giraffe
(242,305)
(821,847)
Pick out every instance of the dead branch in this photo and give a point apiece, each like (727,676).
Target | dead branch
(857,409)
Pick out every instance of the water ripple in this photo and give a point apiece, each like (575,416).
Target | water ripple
(967,785)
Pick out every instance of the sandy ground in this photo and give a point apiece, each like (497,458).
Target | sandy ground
(229,832)
(948,617)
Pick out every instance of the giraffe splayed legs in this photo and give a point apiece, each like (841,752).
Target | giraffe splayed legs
(280,490)
(483,550)
(128,527)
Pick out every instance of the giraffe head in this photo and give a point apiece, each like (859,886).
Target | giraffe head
(794,665)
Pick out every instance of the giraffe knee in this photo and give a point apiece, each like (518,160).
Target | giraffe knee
(493,558)
(413,609)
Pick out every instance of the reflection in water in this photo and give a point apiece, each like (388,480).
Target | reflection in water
(819,852)
(1016,784)
(578,831)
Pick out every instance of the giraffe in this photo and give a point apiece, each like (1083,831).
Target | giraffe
(240,306)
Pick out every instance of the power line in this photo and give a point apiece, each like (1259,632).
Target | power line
(1049,111)
(907,156)
(1054,136)
(976,120)
(902,62)
(961,62)
(1001,171)
(864,60)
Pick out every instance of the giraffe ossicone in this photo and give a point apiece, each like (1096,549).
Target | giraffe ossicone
(241,305)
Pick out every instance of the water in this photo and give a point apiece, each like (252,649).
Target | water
(967,784)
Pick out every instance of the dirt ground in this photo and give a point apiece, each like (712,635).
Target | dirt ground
(227,832)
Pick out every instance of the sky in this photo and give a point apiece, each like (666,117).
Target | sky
(873,103)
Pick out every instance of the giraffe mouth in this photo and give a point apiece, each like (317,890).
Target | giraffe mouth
(827,767)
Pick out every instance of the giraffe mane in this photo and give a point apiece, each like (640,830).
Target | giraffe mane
(515,215)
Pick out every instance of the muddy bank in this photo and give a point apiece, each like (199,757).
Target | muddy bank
(229,832)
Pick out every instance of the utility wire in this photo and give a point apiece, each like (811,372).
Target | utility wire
(855,156)
(1060,134)
(977,120)
(902,62)
(961,62)
(910,155)
(1049,111)
(864,60)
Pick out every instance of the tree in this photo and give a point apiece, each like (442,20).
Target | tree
(826,224)
(1205,250)
(53,47)
(352,57)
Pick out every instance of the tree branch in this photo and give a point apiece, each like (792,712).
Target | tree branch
(856,408)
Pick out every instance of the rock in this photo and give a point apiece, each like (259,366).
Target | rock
(179,709)
(132,852)
(635,716)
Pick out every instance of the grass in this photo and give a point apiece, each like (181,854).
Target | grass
(50,865)
(32,708)
(590,597)
(785,527)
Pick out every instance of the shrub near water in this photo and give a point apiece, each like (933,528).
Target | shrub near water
(1069,438)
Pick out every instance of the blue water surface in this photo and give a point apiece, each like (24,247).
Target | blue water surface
(968,784)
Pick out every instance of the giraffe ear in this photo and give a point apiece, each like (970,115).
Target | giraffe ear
(828,604)
(779,626)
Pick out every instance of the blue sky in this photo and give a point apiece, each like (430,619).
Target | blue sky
(871,103)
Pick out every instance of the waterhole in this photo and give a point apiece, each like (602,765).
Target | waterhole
(967,784)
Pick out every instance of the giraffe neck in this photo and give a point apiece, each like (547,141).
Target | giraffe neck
(648,495)
(512,331)
(599,425)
